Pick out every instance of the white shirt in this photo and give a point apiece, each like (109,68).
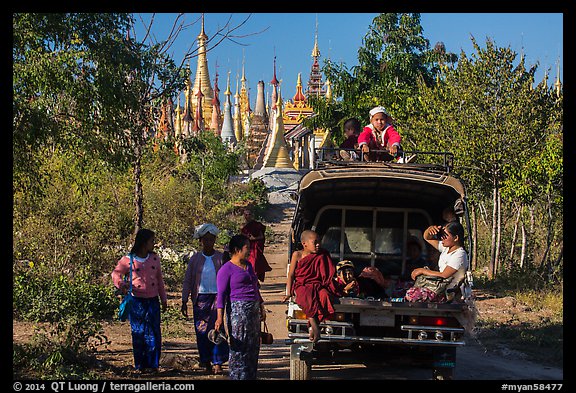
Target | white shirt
(208,278)
(457,259)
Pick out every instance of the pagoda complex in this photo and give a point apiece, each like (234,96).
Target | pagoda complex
(200,110)
(299,109)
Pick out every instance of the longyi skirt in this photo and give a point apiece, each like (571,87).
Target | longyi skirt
(244,333)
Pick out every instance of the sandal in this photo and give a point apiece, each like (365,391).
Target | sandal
(207,367)
(217,369)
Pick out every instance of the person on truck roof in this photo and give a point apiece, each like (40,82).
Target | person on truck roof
(379,134)
(352,129)
(310,280)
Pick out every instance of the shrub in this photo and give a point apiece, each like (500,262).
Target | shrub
(41,297)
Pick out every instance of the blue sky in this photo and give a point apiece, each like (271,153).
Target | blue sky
(290,36)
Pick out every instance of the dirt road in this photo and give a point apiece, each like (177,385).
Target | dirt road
(179,358)
(473,361)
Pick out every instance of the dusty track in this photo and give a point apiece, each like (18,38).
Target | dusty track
(179,359)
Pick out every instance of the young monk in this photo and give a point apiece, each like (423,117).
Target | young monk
(310,279)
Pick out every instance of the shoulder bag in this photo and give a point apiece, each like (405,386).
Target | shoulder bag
(435,284)
(127,300)
(265,336)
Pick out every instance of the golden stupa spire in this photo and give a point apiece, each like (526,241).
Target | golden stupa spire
(558,84)
(328,90)
(202,80)
(237,113)
(198,119)
(243,70)
(244,98)
(278,155)
(315,50)
(228,92)
(187,118)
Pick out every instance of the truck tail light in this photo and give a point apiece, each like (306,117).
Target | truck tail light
(432,321)
(339,316)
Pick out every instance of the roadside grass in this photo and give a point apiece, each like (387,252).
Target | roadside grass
(532,326)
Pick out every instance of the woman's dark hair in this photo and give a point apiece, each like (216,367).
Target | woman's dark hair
(142,236)
(456,229)
(236,243)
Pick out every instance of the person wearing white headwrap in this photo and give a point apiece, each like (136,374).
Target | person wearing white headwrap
(200,286)
(379,134)
(203,229)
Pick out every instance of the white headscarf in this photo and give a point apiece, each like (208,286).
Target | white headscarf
(203,229)
(378,109)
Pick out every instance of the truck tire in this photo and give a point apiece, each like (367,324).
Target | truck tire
(443,373)
(300,370)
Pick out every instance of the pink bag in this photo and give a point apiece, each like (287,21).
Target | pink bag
(418,294)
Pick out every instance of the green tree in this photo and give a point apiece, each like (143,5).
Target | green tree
(486,111)
(394,56)
(59,90)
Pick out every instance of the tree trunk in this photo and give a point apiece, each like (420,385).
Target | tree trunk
(515,233)
(558,260)
(545,262)
(524,241)
(200,204)
(474,260)
(138,194)
(492,264)
(498,231)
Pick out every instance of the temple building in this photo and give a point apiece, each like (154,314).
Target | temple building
(245,110)
(258,130)
(297,109)
(301,140)
(315,85)
(202,81)
(217,118)
(278,155)
(227,134)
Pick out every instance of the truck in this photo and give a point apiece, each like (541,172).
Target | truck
(366,212)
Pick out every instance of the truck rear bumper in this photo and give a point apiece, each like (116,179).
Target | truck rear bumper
(416,335)
(303,339)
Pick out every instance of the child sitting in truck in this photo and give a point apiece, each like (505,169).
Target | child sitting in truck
(370,282)
(346,283)
(310,280)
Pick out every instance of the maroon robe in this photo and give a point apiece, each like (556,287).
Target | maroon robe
(257,258)
(314,285)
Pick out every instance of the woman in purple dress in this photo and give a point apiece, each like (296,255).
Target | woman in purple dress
(238,291)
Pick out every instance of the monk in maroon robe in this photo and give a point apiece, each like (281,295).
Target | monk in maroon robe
(311,280)
(254,231)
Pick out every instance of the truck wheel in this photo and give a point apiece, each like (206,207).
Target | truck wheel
(443,373)
(299,370)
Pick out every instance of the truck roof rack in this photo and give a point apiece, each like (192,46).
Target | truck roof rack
(434,161)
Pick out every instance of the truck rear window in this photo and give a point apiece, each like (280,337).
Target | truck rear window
(371,237)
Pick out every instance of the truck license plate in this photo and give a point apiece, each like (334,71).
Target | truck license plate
(376,319)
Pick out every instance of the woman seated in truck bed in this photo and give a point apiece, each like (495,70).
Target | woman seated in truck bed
(453,261)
